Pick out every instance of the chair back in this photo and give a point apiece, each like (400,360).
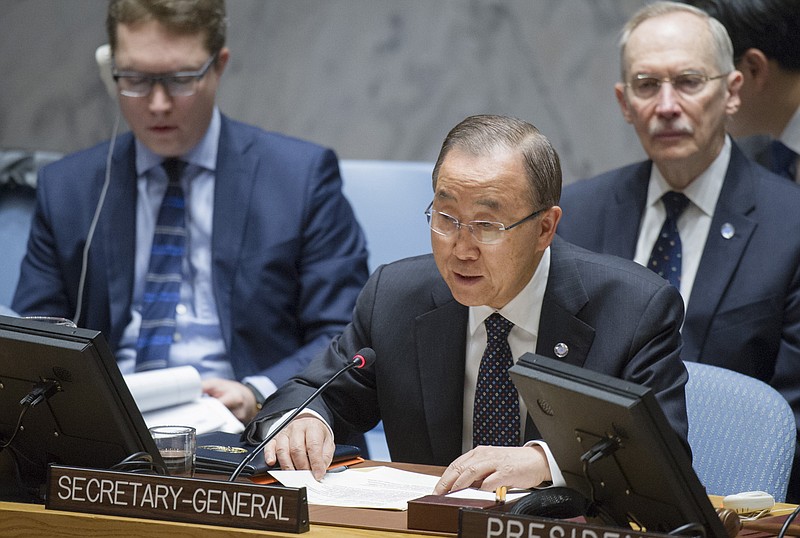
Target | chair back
(389,199)
(18,170)
(741,430)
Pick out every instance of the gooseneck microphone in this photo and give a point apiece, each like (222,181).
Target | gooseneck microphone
(362,358)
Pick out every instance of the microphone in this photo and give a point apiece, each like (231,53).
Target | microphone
(365,356)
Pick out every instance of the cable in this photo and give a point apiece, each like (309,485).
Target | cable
(17,427)
(41,391)
(95,219)
(139,462)
(788,522)
(696,529)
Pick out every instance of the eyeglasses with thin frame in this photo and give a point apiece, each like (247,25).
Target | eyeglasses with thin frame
(646,86)
(484,231)
(177,84)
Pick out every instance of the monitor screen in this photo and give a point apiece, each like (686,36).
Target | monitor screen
(614,445)
(86,417)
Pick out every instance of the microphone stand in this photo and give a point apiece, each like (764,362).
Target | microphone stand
(358,362)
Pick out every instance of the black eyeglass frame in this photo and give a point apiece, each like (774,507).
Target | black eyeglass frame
(165,79)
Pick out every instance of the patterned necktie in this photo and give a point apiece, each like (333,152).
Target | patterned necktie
(784,159)
(162,287)
(666,256)
(496,419)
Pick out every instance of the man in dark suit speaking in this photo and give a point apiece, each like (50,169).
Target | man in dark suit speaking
(256,257)
(499,284)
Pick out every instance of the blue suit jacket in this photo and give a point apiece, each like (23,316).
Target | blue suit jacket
(288,257)
(616,317)
(744,310)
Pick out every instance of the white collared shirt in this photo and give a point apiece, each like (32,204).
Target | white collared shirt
(524,311)
(694,223)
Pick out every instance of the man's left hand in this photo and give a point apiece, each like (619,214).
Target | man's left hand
(235,396)
(489,467)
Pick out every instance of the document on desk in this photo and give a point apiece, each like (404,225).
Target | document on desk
(369,487)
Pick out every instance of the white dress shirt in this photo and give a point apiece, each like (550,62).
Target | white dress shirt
(693,224)
(524,311)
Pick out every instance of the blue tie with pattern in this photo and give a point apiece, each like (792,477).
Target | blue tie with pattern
(784,159)
(162,287)
(666,256)
(496,419)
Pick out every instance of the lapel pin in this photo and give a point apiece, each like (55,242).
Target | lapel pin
(561,350)
(727,230)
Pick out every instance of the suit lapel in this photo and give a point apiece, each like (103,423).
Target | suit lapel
(441,345)
(564,296)
(234,178)
(623,216)
(720,256)
(117,231)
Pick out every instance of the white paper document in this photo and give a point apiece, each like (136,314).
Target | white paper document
(174,396)
(368,487)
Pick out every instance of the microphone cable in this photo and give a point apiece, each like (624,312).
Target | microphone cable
(43,390)
(95,219)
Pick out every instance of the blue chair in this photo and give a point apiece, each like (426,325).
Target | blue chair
(389,198)
(741,430)
(17,200)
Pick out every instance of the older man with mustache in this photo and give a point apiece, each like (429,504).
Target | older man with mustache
(723,230)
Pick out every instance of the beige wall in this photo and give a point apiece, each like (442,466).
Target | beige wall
(382,79)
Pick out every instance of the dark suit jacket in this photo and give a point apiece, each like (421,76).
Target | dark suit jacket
(744,310)
(615,317)
(288,256)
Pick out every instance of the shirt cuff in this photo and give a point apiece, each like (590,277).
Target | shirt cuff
(303,413)
(262,384)
(557,478)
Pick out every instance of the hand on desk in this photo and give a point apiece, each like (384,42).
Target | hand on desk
(489,467)
(234,395)
(306,443)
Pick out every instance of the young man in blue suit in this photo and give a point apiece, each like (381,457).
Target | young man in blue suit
(766,48)
(495,259)
(272,258)
(739,270)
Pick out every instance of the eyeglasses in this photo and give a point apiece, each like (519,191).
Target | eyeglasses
(484,231)
(646,86)
(178,84)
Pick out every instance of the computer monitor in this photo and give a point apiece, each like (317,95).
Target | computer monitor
(89,418)
(614,445)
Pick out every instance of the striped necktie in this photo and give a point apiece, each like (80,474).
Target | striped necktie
(162,288)
(496,415)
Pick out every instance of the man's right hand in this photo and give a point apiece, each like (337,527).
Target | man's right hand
(306,443)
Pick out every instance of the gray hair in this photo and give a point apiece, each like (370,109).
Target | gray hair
(720,41)
(479,135)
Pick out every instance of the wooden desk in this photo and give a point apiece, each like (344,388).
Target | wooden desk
(19,519)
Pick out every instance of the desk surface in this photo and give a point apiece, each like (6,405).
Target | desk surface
(19,519)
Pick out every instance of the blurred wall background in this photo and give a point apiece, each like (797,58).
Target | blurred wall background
(373,79)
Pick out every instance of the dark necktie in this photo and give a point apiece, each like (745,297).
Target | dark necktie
(162,287)
(666,256)
(784,160)
(496,419)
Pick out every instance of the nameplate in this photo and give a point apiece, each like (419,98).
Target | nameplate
(169,498)
(485,524)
